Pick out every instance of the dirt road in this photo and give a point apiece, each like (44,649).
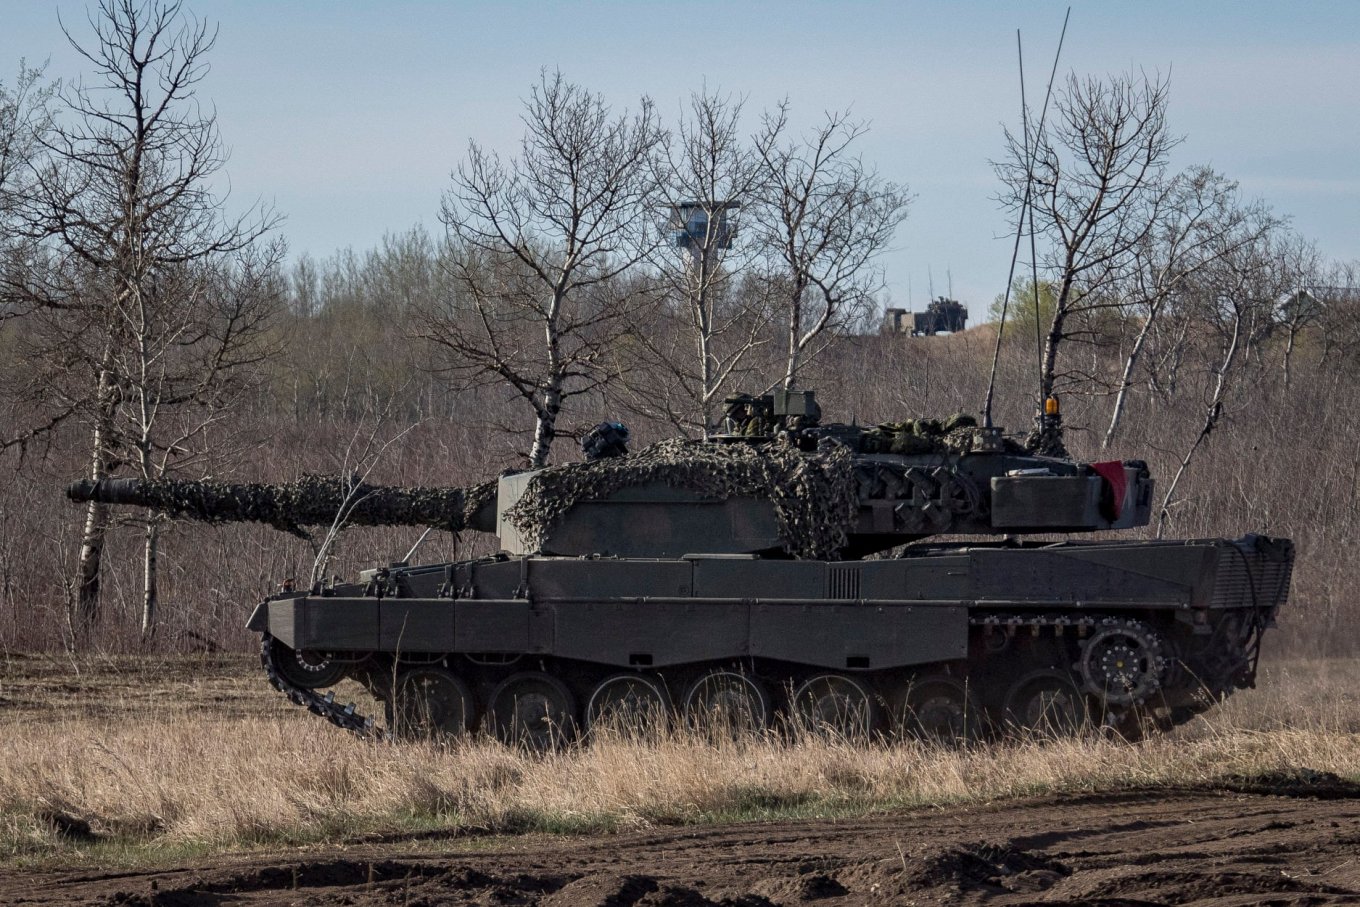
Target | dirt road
(1299,844)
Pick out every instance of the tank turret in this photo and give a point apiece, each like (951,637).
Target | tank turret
(778,483)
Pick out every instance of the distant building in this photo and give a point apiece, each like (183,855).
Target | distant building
(943,316)
(691,229)
(896,321)
(1306,303)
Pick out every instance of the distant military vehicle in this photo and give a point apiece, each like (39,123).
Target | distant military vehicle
(941,315)
(944,315)
(784,570)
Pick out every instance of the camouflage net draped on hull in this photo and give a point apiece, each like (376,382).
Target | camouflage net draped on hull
(311,501)
(814,495)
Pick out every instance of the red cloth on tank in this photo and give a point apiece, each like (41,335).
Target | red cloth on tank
(1112,471)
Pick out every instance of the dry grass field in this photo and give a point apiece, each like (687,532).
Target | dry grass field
(137,761)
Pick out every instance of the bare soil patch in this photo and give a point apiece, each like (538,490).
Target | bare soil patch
(128,687)
(1131,848)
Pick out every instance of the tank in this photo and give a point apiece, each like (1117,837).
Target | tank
(933,578)
(943,314)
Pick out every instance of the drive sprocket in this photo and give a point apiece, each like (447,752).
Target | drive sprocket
(1123,662)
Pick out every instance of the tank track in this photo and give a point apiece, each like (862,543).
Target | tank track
(1216,678)
(1036,625)
(342,716)
(1029,625)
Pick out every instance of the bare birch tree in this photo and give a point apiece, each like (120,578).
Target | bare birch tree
(1339,320)
(1201,218)
(1231,300)
(196,339)
(1096,184)
(126,212)
(708,176)
(538,245)
(25,119)
(825,217)
(1302,267)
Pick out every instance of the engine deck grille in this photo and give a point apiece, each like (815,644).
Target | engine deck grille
(842,582)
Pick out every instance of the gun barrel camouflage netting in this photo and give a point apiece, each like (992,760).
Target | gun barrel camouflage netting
(311,501)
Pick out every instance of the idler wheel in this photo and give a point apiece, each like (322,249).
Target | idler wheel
(727,702)
(939,709)
(430,702)
(837,706)
(634,705)
(305,669)
(534,710)
(1122,662)
(1046,702)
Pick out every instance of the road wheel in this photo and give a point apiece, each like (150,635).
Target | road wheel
(430,702)
(939,709)
(727,703)
(634,705)
(534,710)
(836,706)
(1046,702)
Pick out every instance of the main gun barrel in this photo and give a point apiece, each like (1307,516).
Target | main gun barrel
(311,501)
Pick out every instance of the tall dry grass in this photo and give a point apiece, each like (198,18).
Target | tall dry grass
(162,780)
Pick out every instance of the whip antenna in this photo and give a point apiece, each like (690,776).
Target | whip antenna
(1033,153)
(1030,151)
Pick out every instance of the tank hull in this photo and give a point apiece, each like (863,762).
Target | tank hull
(1161,626)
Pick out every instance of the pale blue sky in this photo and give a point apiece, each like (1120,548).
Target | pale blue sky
(348,116)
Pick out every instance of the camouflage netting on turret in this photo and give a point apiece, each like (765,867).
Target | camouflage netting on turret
(311,501)
(953,435)
(814,495)
(1045,439)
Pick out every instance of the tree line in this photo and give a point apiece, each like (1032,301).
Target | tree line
(613,264)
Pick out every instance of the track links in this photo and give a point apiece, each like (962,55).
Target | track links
(1085,627)
(342,716)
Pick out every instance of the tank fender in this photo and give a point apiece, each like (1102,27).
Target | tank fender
(259,618)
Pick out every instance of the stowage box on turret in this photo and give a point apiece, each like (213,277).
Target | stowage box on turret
(783,570)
